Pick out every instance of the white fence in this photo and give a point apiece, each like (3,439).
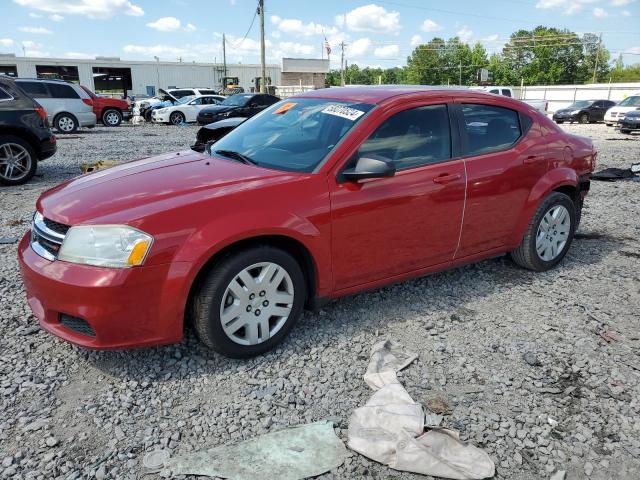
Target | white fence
(284,91)
(560,96)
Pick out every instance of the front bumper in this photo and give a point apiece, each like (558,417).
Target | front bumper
(206,120)
(157,117)
(48,147)
(564,117)
(126,308)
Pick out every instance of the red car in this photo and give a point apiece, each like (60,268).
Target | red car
(321,195)
(109,111)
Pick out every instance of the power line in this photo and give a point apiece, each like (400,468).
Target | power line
(236,45)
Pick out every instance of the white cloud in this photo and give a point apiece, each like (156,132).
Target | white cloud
(358,47)
(387,51)
(42,30)
(465,34)
(339,20)
(416,40)
(620,3)
(91,8)
(165,24)
(430,26)
(85,56)
(276,34)
(31,44)
(626,13)
(600,12)
(56,18)
(34,49)
(371,18)
(36,53)
(289,49)
(297,27)
(6,42)
(635,50)
(569,7)
(35,15)
(190,27)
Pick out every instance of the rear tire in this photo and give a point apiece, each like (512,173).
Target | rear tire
(625,131)
(247,303)
(66,123)
(18,160)
(543,247)
(111,118)
(559,122)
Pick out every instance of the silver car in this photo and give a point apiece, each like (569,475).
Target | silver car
(67,105)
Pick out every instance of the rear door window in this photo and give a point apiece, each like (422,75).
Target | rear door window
(182,93)
(506,92)
(412,138)
(35,89)
(60,90)
(489,128)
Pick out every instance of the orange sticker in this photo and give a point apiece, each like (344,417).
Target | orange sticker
(285,108)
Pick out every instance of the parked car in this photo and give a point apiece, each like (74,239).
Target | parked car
(68,106)
(214,132)
(583,111)
(25,136)
(617,112)
(170,96)
(184,110)
(239,105)
(109,111)
(325,194)
(541,105)
(630,122)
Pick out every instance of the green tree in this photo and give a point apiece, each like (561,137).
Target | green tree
(622,73)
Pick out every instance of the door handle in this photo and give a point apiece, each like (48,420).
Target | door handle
(532,158)
(447,178)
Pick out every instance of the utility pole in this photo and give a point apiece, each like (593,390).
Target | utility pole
(342,63)
(460,78)
(263,82)
(224,56)
(595,67)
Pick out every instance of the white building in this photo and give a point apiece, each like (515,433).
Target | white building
(136,77)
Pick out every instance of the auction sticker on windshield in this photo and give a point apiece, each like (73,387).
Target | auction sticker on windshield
(285,108)
(344,112)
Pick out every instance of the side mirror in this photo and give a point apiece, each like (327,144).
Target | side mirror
(373,166)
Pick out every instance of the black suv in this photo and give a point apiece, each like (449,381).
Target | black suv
(25,136)
(238,105)
(584,111)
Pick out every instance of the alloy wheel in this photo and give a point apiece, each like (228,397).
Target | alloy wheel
(553,233)
(257,303)
(15,161)
(66,124)
(112,118)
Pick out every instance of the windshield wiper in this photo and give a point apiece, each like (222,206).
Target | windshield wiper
(237,156)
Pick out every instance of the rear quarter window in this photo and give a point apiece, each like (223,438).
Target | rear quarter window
(4,95)
(60,90)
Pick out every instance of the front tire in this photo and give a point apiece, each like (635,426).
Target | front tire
(249,301)
(584,118)
(18,161)
(111,118)
(549,234)
(176,118)
(559,122)
(66,123)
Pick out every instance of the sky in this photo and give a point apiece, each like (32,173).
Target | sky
(379,33)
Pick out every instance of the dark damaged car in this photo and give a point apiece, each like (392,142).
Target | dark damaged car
(240,105)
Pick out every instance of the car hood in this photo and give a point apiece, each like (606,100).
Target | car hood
(567,110)
(214,109)
(226,123)
(130,191)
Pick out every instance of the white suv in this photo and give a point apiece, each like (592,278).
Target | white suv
(67,105)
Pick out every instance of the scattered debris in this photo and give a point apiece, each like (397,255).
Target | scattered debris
(532,359)
(609,336)
(613,174)
(629,254)
(290,454)
(99,165)
(137,120)
(8,240)
(155,461)
(559,475)
(439,405)
(390,427)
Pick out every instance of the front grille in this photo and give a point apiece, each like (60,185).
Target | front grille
(76,324)
(47,236)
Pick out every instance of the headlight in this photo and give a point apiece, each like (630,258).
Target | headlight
(116,246)
(225,114)
(575,112)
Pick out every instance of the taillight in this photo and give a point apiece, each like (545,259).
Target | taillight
(88,101)
(42,113)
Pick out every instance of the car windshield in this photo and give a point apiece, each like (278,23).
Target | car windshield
(184,100)
(633,101)
(294,135)
(581,104)
(236,100)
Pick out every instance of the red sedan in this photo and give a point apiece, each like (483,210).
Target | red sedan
(320,195)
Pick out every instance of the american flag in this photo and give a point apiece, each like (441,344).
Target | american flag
(327,46)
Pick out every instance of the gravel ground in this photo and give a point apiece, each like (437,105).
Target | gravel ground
(539,369)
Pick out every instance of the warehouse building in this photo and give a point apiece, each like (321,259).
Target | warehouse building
(134,77)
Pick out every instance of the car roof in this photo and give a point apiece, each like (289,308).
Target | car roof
(375,94)
(59,80)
